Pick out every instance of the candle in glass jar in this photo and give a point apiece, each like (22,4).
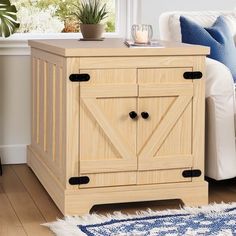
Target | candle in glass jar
(141,33)
(141,36)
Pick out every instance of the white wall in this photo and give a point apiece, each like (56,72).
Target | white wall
(151,9)
(14,108)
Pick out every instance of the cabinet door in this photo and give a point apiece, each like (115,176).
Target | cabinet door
(165,137)
(107,133)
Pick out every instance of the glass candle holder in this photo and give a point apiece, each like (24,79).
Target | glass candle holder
(142,34)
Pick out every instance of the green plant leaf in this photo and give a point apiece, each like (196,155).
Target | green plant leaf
(90,12)
(8,18)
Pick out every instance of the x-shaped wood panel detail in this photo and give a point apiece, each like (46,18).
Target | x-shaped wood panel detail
(164,128)
(109,130)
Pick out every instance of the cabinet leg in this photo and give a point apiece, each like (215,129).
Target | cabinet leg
(85,211)
(78,209)
(195,201)
(196,195)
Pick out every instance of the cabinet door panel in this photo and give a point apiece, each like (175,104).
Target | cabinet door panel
(161,176)
(163,75)
(110,179)
(107,133)
(165,137)
(111,76)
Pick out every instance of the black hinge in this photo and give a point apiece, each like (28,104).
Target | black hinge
(191,173)
(193,75)
(79,77)
(79,180)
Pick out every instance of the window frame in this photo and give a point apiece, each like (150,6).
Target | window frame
(127,13)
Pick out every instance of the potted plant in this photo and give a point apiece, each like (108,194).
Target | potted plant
(8,18)
(90,14)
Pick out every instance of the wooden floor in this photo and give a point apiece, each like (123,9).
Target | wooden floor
(24,203)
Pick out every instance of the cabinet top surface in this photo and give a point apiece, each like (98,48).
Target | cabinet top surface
(113,47)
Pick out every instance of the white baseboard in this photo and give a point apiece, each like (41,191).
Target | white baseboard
(13,154)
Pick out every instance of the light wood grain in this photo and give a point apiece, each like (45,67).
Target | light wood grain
(37,99)
(48,122)
(49,112)
(58,115)
(159,135)
(113,47)
(156,113)
(49,57)
(11,223)
(135,62)
(46,177)
(161,176)
(111,179)
(180,135)
(33,100)
(24,203)
(193,194)
(199,118)
(84,128)
(164,87)
(164,161)
(29,215)
(72,120)
(111,76)
(45,101)
(41,199)
(165,90)
(41,102)
(109,165)
(109,91)
(163,76)
(111,132)
(10,230)
(104,113)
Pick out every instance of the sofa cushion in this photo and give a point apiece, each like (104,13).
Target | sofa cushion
(203,18)
(218,37)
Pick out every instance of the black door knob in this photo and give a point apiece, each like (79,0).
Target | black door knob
(144,114)
(133,115)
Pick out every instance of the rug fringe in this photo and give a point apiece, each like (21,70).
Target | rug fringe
(68,225)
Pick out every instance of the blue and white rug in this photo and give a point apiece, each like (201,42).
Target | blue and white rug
(211,220)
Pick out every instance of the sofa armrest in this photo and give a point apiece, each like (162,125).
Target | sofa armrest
(219,79)
(220,131)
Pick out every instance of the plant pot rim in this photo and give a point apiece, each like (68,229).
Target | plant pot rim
(92,31)
(91,24)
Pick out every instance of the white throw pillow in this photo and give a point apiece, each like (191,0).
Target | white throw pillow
(204,18)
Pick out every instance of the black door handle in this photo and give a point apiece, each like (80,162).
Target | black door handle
(133,114)
(145,115)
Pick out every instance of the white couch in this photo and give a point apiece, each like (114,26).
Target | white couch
(220,99)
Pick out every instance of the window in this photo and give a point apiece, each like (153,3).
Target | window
(124,14)
(48,18)
(54,16)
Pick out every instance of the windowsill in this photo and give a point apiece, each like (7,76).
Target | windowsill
(10,47)
(17,44)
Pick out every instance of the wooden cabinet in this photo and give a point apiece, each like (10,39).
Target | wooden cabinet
(114,124)
(135,119)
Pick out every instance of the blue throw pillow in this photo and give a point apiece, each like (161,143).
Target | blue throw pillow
(217,37)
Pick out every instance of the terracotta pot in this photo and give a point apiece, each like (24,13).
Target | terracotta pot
(92,31)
